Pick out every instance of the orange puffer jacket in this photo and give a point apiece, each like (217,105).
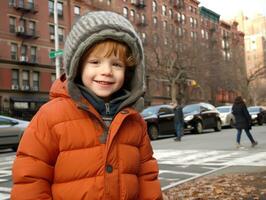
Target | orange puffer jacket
(61,157)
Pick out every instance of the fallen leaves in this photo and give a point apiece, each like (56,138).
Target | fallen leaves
(226,187)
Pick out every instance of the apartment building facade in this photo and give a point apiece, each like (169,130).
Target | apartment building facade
(27,38)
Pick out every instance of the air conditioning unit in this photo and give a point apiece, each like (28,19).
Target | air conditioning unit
(20,29)
(14,87)
(25,87)
(23,58)
(52,37)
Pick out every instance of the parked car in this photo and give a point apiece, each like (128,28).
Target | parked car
(160,120)
(226,115)
(201,116)
(11,130)
(258,114)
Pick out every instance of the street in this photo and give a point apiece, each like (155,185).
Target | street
(199,155)
(193,157)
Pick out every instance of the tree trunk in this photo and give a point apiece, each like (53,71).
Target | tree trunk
(173,91)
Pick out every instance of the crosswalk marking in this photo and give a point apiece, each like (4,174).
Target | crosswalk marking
(4,196)
(206,157)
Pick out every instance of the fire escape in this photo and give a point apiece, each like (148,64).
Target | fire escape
(26,30)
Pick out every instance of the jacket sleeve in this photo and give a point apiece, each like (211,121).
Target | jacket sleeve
(247,115)
(150,188)
(33,167)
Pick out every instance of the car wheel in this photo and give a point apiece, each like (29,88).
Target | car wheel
(260,122)
(218,126)
(232,123)
(198,128)
(153,132)
(15,148)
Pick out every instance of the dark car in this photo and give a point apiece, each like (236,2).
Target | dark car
(11,130)
(258,114)
(201,116)
(160,120)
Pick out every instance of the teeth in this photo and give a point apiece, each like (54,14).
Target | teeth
(103,82)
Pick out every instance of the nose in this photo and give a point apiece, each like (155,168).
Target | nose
(107,69)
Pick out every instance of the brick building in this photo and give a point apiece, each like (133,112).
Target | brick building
(27,37)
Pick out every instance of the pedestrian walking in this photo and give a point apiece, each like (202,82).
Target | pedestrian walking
(88,141)
(242,121)
(179,121)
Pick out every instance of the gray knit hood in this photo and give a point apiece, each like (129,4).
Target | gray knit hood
(97,26)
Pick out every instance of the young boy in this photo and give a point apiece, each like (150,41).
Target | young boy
(88,142)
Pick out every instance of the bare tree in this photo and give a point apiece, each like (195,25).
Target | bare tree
(256,85)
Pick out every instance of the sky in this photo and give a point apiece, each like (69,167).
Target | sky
(229,8)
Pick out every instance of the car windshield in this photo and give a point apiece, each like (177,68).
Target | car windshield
(253,109)
(149,111)
(191,108)
(224,109)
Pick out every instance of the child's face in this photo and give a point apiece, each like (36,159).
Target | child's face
(103,75)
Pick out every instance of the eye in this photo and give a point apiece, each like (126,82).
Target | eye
(118,64)
(94,62)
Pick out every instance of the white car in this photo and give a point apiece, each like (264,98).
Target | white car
(11,131)
(226,115)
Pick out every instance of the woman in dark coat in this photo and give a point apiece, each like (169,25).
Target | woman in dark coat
(242,120)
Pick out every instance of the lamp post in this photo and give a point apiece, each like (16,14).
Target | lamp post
(57,60)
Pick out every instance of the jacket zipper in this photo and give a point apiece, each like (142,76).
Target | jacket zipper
(107,109)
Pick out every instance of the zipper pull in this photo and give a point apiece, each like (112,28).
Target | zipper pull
(107,108)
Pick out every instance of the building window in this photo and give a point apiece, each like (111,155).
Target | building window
(36,81)
(22,24)
(15,79)
(143,19)
(77,10)
(183,19)
(25,80)
(171,13)
(59,8)
(132,15)
(32,26)
(14,51)
(195,22)
(179,18)
(51,7)
(51,29)
(164,25)
(163,10)
(33,54)
(165,41)
(202,33)
(31,4)
(23,52)
(180,31)
(12,24)
(143,37)
(125,12)
(11,3)
(155,39)
(155,21)
(61,34)
(154,6)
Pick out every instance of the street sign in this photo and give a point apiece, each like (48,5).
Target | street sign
(53,54)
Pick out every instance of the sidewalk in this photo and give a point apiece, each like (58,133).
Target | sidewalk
(235,183)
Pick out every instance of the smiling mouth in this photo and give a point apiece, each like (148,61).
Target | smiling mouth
(104,82)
